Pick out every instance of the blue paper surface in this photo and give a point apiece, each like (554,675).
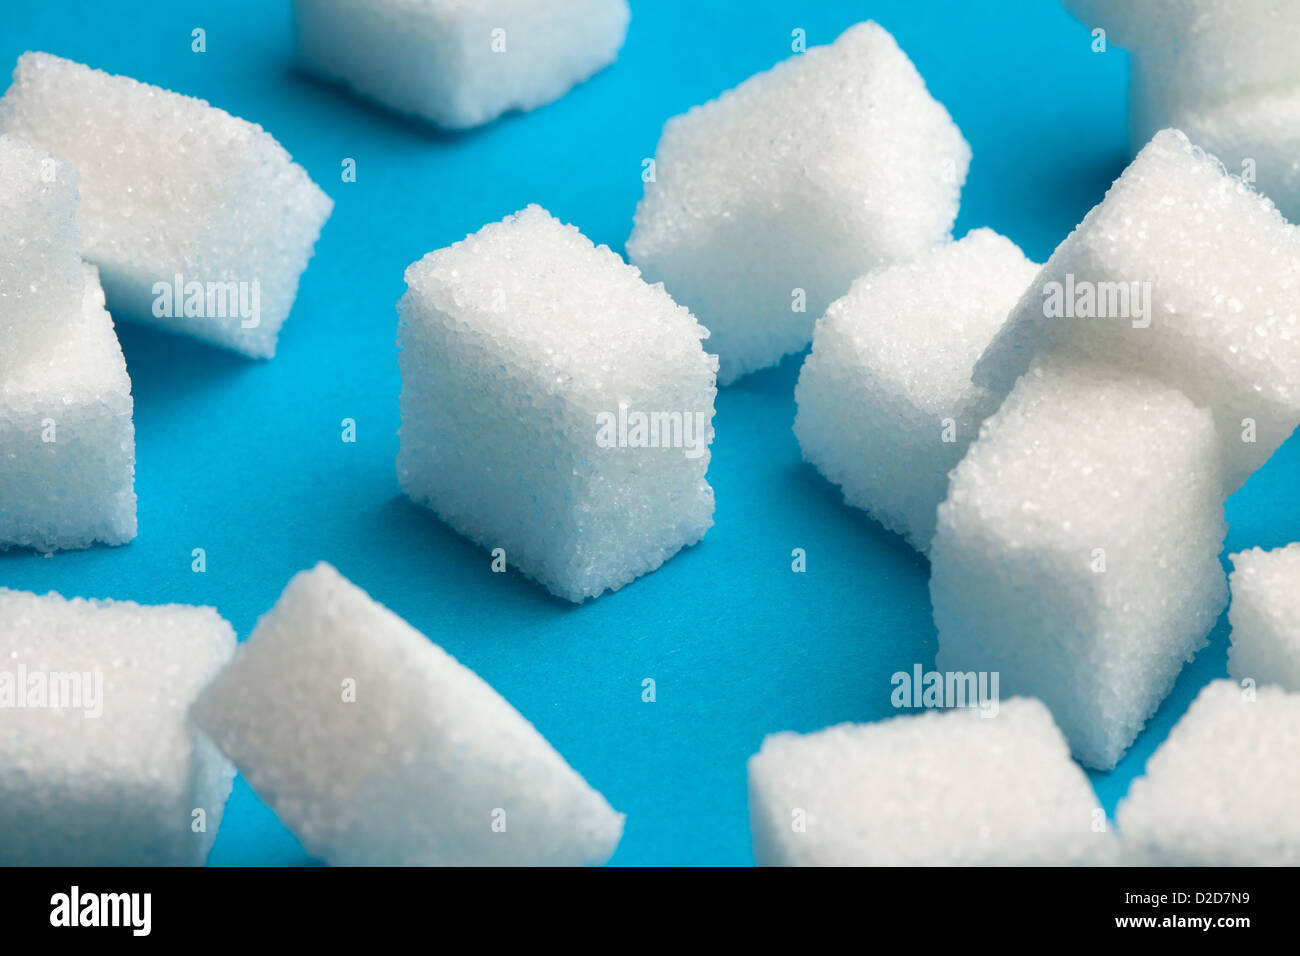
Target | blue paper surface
(245,459)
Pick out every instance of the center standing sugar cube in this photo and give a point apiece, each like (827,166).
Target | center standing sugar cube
(1265,616)
(554,405)
(1077,552)
(1221,790)
(459,63)
(99,764)
(199,221)
(942,788)
(766,203)
(1187,274)
(886,403)
(377,748)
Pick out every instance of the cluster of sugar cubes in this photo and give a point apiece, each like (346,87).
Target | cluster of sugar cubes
(1221,790)
(1265,616)
(1225,72)
(68,462)
(554,405)
(941,788)
(459,63)
(768,202)
(99,763)
(198,221)
(1185,273)
(886,403)
(1150,368)
(376,747)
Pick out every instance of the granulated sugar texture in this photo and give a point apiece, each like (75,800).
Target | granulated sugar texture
(199,222)
(377,748)
(763,209)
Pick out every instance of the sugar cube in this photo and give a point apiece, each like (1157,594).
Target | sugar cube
(1221,789)
(99,764)
(1265,616)
(886,403)
(940,788)
(459,63)
(1256,136)
(1203,50)
(1183,272)
(67,440)
(554,405)
(376,747)
(41,279)
(199,221)
(1077,552)
(765,204)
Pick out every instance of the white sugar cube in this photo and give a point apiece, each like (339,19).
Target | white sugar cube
(67,441)
(375,747)
(1203,50)
(942,788)
(886,403)
(1077,552)
(460,63)
(99,764)
(1256,136)
(766,203)
(199,221)
(554,405)
(1187,274)
(41,279)
(1221,790)
(1265,616)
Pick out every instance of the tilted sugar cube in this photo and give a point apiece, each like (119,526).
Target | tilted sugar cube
(1221,790)
(99,764)
(1077,552)
(199,221)
(886,403)
(1265,616)
(941,788)
(375,747)
(41,279)
(459,63)
(1185,273)
(67,440)
(768,202)
(554,405)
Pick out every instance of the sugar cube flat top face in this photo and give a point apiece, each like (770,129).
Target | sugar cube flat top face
(554,405)
(1184,272)
(98,762)
(1221,790)
(1051,564)
(459,63)
(377,748)
(1265,616)
(886,403)
(40,268)
(939,788)
(67,474)
(799,180)
(569,314)
(227,206)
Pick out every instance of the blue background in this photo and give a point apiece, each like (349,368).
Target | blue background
(245,459)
